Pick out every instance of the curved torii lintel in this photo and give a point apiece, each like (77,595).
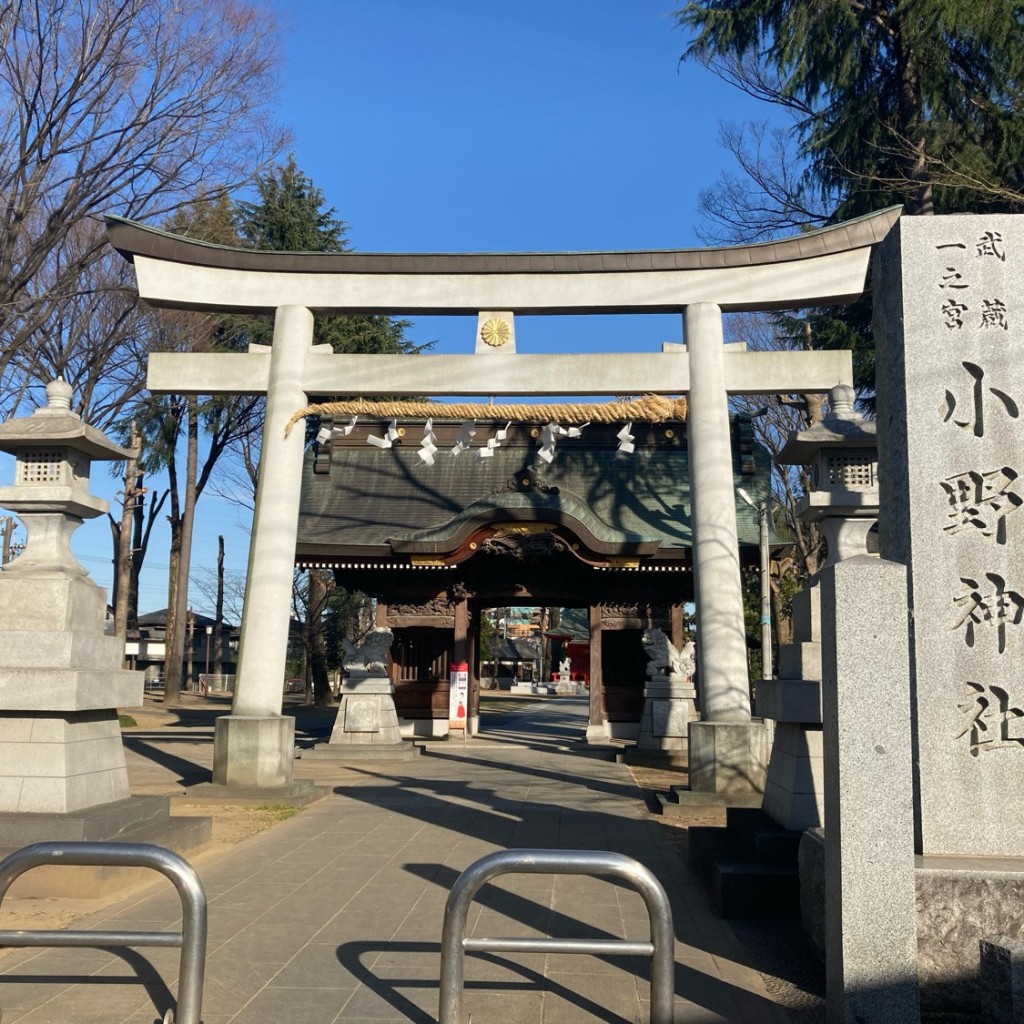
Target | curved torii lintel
(820,267)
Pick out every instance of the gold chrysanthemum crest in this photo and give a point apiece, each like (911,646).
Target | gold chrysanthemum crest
(495,332)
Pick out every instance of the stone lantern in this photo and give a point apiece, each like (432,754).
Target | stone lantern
(842,453)
(61,679)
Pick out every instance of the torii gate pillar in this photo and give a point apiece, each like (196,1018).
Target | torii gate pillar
(727,751)
(254,746)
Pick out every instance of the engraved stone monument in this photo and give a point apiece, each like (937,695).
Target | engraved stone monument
(950,394)
(949,328)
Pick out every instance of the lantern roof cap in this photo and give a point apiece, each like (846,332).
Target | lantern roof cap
(843,427)
(57,423)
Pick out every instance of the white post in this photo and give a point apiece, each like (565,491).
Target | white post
(254,745)
(727,752)
(722,650)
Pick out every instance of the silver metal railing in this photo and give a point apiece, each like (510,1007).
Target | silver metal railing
(454,944)
(191,938)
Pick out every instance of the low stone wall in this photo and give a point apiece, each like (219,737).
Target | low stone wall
(960,901)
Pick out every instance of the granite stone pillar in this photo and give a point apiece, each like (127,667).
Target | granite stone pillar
(871,915)
(727,751)
(949,330)
(253,747)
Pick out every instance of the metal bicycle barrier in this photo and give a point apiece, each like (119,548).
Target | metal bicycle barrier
(454,944)
(191,938)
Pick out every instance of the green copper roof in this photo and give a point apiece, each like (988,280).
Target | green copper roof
(375,501)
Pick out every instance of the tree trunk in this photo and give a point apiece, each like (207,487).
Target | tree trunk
(176,636)
(319,591)
(7,534)
(123,557)
(142,528)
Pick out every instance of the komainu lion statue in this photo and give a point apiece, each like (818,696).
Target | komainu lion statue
(665,659)
(372,654)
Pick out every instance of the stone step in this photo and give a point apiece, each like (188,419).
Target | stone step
(738,886)
(695,798)
(679,802)
(653,758)
(760,836)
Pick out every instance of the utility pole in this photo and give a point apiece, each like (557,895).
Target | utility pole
(218,624)
(190,650)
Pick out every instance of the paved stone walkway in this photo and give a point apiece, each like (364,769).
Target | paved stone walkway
(335,914)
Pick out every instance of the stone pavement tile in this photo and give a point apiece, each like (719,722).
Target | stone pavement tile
(586,963)
(220,999)
(258,944)
(685,1012)
(570,998)
(87,1005)
(365,925)
(144,964)
(241,976)
(583,892)
(150,1018)
(298,1005)
(518,970)
(705,990)
(21,996)
(55,962)
(321,965)
(531,923)
(403,953)
(414,1000)
(504,1007)
(368,1020)
(751,1008)
(251,897)
(423,976)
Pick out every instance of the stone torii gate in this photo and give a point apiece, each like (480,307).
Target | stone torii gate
(254,744)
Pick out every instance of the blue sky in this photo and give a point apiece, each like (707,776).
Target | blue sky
(469,125)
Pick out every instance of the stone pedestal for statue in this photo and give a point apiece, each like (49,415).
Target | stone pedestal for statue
(669,708)
(669,698)
(367,724)
(62,766)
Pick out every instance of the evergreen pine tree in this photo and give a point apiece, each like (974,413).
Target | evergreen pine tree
(290,214)
(916,102)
